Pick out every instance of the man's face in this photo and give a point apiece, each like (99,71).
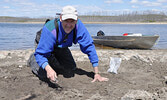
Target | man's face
(68,25)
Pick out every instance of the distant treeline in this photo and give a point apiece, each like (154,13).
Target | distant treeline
(22,19)
(96,18)
(125,18)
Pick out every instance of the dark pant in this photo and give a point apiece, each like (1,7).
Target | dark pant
(61,60)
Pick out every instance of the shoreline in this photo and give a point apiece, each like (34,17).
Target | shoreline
(102,53)
(97,48)
(94,22)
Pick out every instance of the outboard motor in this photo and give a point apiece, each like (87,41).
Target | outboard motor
(100,33)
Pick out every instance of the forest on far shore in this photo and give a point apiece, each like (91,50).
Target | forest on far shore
(133,17)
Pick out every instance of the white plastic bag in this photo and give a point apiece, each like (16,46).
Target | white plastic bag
(114,64)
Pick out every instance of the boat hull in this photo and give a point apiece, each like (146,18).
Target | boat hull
(127,42)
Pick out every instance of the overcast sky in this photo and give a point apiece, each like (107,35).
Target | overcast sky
(41,8)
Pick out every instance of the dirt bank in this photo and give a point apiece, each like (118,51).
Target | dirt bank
(142,75)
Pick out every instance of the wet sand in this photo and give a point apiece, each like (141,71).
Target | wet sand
(142,75)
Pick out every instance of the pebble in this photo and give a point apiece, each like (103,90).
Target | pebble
(165,77)
(20,66)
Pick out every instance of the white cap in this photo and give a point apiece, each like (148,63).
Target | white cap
(69,12)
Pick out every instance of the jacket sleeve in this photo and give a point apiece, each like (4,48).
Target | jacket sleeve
(45,47)
(86,43)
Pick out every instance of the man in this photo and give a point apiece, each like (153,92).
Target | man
(71,30)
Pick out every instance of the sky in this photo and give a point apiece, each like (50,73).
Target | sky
(44,8)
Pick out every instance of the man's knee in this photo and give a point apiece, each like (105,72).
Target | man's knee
(36,69)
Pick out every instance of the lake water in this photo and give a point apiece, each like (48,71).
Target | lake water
(21,36)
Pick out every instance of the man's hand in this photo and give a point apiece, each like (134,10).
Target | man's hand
(97,77)
(51,74)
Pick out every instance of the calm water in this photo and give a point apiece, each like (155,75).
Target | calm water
(21,36)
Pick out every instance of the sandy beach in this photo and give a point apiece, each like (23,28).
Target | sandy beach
(142,75)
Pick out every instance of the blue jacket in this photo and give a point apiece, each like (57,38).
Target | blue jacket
(48,41)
